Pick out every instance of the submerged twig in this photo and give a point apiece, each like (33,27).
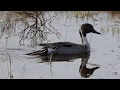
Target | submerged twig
(10,62)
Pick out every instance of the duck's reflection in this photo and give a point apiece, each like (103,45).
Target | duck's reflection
(84,71)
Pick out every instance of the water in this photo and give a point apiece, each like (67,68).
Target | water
(103,62)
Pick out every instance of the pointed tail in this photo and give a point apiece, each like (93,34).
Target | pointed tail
(43,52)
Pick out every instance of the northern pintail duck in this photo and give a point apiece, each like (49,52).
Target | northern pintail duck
(68,47)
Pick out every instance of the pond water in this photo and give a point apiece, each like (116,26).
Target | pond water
(103,62)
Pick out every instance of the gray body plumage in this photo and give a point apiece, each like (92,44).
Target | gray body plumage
(64,48)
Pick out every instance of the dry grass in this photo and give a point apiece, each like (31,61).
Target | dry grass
(37,24)
(114,14)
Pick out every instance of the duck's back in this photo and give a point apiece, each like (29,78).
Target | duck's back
(71,49)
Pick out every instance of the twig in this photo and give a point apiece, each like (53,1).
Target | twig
(10,68)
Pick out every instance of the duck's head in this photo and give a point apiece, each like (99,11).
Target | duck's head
(88,28)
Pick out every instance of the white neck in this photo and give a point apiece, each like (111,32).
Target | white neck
(85,42)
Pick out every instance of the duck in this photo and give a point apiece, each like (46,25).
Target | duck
(68,48)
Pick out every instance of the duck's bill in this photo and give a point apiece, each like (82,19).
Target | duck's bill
(94,31)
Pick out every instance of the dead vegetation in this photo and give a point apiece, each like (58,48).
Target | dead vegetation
(36,25)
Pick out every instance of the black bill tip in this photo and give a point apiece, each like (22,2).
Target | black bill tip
(94,31)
